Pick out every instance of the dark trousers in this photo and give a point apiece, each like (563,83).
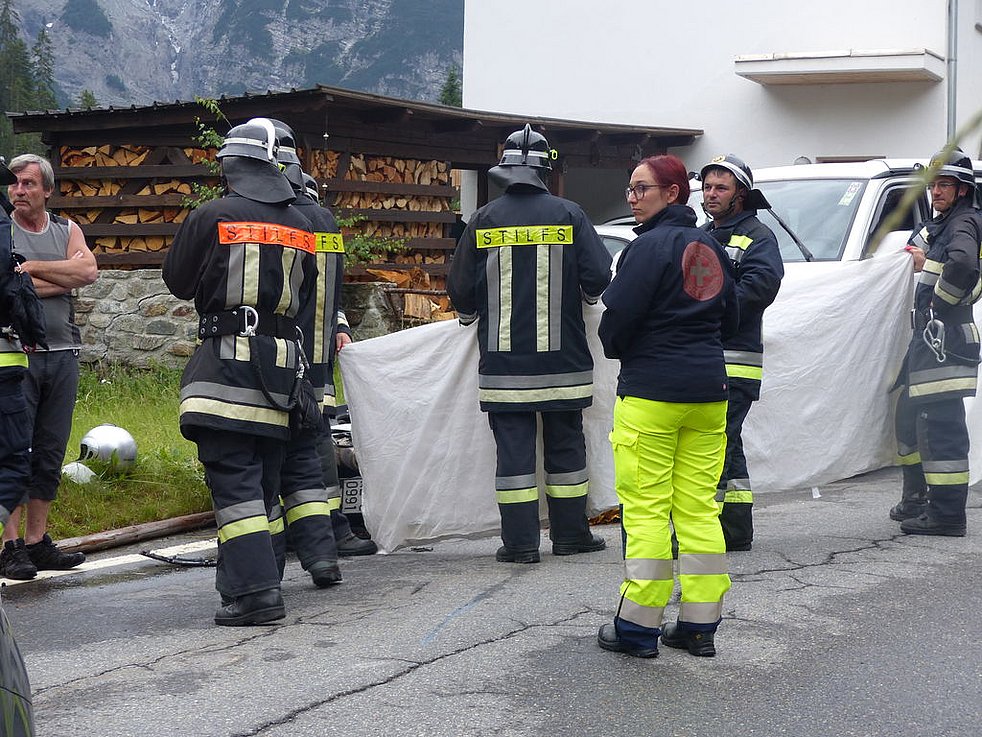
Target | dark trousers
(564,462)
(306,507)
(50,388)
(734,489)
(243,475)
(932,439)
(15,441)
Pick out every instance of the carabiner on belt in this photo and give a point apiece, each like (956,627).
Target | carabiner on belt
(250,321)
(934,336)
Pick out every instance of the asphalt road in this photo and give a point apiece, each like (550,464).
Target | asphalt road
(836,625)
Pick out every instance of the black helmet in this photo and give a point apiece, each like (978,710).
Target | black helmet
(311,188)
(736,166)
(248,158)
(287,152)
(255,139)
(954,164)
(527,148)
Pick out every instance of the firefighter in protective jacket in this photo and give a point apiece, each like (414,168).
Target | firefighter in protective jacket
(522,269)
(941,367)
(247,261)
(729,198)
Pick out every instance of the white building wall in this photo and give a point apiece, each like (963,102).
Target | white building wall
(651,62)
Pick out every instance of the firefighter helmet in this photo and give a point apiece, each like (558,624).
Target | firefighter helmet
(110,447)
(954,164)
(527,148)
(255,139)
(311,188)
(286,153)
(736,166)
(249,166)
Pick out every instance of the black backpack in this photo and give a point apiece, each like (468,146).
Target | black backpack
(20,305)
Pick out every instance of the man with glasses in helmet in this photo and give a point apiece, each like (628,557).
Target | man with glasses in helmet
(522,269)
(941,367)
(247,261)
(729,198)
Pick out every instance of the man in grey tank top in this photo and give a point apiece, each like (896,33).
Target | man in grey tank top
(58,261)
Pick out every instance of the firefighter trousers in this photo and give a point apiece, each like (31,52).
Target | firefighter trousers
(306,507)
(516,487)
(734,491)
(932,445)
(243,474)
(667,460)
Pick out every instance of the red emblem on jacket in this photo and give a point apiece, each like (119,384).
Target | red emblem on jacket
(702,274)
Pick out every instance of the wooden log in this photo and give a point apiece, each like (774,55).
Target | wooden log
(137,533)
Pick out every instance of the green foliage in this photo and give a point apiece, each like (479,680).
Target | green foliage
(86,100)
(25,81)
(364,249)
(86,16)
(452,91)
(167,479)
(206,137)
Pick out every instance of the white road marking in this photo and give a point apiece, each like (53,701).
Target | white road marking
(121,560)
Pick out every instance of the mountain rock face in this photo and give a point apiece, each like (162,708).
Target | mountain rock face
(166,50)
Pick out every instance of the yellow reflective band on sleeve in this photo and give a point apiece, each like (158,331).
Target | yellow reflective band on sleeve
(241,527)
(947,385)
(947,296)
(308,509)
(946,479)
(740,241)
(329,242)
(911,459)
(742,496)
(524,235)
(738,371)
(517,496)
(568,492)
(13,359)
(521,396)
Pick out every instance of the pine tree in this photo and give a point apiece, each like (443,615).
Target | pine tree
(86,100)
(17,91)
(452,92)
(43,57)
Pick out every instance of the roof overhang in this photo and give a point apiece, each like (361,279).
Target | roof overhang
(850,66)
(329,117)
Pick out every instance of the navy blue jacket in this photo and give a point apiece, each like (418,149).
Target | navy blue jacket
(756,258)
(667,308)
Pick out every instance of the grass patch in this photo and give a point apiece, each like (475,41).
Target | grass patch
(167,480)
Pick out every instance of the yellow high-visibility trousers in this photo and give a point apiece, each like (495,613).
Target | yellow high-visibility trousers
(667,459)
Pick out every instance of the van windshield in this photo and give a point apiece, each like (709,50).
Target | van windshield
(819,211)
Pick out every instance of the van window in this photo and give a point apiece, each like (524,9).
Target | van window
(888,205)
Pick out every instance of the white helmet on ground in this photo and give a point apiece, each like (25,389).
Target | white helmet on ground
(111,445)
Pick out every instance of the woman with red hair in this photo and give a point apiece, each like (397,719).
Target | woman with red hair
(667,309)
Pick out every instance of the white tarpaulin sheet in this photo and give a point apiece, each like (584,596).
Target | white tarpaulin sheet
(835,339)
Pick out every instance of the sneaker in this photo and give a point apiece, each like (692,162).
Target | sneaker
(46,556)
(15,563)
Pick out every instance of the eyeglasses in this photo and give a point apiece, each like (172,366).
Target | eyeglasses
(943,185)
(638,190)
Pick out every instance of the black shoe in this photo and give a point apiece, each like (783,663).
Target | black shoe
(325,573)
(354,545)
(46,556)
(504,555)
(257,608)
(589,544)
(697,643)
(924,525)
(907,510)
(15,563)
(607,639)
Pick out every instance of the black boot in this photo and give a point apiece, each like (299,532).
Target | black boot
(519,533)
(256,608)
(697,643)
(325,573)
(913,496)
(569,527)
(608,639)
(926,525)
(46,556)
(354,545)
(15,563)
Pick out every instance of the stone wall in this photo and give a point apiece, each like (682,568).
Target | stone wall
(129,317)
